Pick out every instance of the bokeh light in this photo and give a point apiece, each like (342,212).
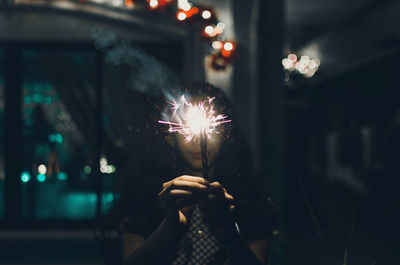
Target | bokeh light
(25,176)
(153,3)
(184,5)
(228,46)
(217,45)
(87,169)
(41,177)
(181,16)
(62,176)
(305,66)
(42,169)
(206,14)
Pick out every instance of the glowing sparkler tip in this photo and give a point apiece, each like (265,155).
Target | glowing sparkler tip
(191,120)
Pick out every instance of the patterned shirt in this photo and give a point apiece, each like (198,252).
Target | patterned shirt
(198,246)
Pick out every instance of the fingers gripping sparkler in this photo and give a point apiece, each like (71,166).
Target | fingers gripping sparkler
(195,120)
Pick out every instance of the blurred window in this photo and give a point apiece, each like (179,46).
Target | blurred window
(59,133)
(86,120)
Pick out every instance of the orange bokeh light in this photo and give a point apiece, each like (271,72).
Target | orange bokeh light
(129,3)
(154,4)
(182,14)
(228,48)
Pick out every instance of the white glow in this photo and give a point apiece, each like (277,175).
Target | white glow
(103,162)
(309,74)
(287,63)
(184,5)
(182,16)
(210,31)
(117,2)
(312,65)
(218,31)
(103,169)
(206,14)
(305,59)
(196,120)
(305,66)
(153,3)
(221,25)
(300,66)
(217,45)
(303,70)
(317,61)
(42,169)
(292,57)
(228,46)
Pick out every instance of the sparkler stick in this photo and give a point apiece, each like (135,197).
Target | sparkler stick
(194,121)
(204,155)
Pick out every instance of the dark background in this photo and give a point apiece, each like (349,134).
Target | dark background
(81,81)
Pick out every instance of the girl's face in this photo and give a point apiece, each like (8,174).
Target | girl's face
(191,151)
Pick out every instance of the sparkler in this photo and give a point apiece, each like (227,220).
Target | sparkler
(194,121)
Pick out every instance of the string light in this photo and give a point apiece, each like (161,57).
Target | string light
(217,45)
(184,5)
(129,4)
(181,16)
(153,4)
(209,30)
(228,48)
(206,14)
(186,10)
(305,66)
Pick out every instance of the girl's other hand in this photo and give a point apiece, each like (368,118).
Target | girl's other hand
(217,206)
(178,197)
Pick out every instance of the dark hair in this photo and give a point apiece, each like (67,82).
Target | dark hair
(234,159)
(233,167)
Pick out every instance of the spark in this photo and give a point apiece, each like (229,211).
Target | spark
(191,119)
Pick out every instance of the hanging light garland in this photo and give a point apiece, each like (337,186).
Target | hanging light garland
(304,66)
(203,17)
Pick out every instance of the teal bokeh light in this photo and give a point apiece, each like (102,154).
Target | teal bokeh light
(56,138)
(62,176)
(87,169)
(41,177)
(25,176)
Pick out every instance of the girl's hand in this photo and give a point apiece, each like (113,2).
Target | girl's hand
(178,196)
(218,206)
